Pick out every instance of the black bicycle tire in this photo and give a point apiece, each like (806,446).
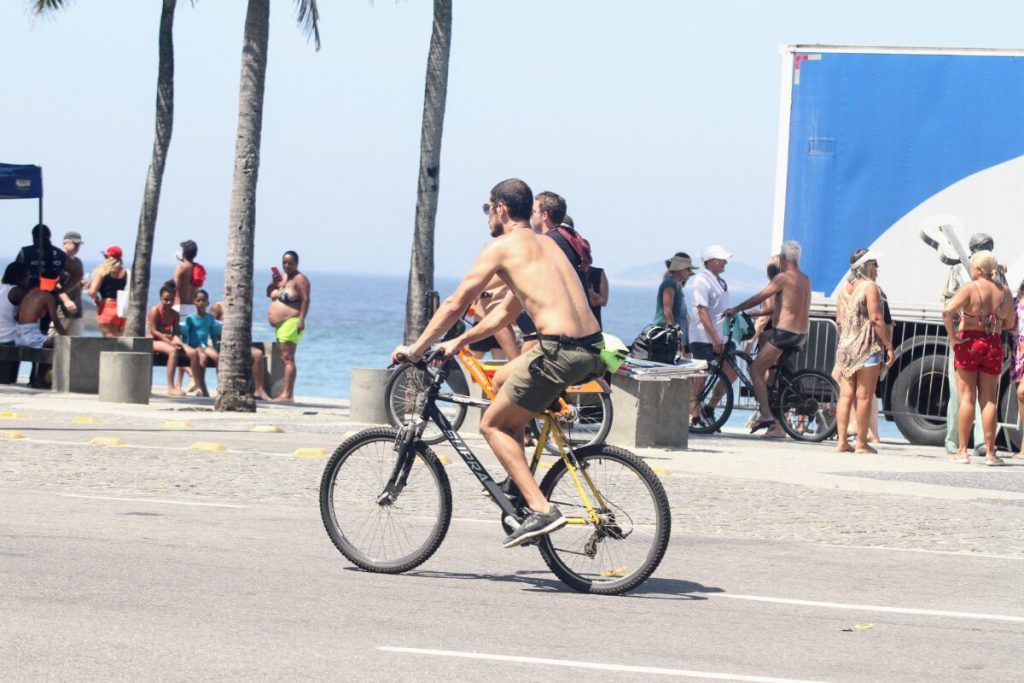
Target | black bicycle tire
(817,437)
(661,504)
(396,420)
(327,513)
(599,438)
(710,428)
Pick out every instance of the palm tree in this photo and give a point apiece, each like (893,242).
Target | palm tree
(136,324)
(421,266)
(235,363)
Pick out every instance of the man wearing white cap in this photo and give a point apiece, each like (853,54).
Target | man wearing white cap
(709,296)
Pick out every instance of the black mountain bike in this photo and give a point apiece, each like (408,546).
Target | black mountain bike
(803,402)
(386,502)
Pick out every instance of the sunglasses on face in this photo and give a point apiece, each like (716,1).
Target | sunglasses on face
(488,206)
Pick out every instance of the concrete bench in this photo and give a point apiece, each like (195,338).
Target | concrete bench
(125,376)
(650,413)
(12,356)
(76,362)
(273,368)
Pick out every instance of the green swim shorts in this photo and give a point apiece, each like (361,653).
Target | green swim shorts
(543,373)
(288,331)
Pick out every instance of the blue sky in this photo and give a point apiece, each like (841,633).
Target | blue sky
(656,120)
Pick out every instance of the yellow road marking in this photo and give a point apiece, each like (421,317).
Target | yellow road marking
(209,446)
(661,471)
(106,441)
(11,435)
(310,453)
(12,416)
(445,460)
(85,420)
(268,429)
(177,424)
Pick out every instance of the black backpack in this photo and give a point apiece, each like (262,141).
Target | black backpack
(656,343)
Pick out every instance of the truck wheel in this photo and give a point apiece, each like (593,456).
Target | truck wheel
(1009,437)
(919,397)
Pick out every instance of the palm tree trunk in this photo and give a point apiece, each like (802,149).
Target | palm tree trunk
(421,267)
(139,298)
(235,363)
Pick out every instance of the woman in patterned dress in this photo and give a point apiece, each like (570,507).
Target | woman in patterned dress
(864,344)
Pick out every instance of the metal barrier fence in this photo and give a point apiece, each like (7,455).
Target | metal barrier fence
(915,390)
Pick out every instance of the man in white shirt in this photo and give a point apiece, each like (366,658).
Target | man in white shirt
(709,298)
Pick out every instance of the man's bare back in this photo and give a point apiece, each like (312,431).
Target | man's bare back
(792,301)
(544,282)
(184,291)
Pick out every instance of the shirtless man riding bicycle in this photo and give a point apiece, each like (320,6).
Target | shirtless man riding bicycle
(545,284)
(791,290)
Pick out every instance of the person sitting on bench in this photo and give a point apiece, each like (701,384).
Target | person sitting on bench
(36,311)
(166,333)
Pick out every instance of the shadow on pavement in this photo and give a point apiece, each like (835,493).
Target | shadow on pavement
(653,588)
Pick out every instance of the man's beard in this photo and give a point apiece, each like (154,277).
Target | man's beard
(496,230)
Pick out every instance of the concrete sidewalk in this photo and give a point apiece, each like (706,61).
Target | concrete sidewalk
(313,427)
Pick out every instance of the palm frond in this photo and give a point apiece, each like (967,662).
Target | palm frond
(309,18)
(42,7)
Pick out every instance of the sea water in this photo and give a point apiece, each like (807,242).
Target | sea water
(355,321)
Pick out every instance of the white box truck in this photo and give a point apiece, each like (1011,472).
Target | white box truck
(876,145)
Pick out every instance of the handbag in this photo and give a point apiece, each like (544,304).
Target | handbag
(657,343)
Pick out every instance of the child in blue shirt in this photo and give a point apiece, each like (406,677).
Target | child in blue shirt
(197,329)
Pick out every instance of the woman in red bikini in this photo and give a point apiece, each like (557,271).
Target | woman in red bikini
(985,310)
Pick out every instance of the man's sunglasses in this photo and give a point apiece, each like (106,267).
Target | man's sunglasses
(488,206)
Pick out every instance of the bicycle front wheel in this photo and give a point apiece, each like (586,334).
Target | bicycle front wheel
(396,535)
(405,389)
(714,402)
(806,405)
(626,544)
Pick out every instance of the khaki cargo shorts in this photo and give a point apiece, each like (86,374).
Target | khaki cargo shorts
(547,370)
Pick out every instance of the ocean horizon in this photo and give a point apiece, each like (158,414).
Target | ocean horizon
(356,319)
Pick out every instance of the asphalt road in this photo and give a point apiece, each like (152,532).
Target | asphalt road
(103,586)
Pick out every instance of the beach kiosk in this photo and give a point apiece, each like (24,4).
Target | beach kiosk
(20,181)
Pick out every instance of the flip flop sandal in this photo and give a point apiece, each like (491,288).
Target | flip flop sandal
(761,424)
(962,461)
(998,462)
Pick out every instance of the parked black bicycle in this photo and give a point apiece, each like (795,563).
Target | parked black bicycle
(386,501)
(803,402)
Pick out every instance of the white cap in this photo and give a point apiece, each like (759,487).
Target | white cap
(869,255)
(715,251)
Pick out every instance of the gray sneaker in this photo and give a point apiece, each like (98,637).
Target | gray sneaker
(536,524)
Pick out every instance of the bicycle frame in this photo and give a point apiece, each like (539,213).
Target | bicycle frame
(431,413)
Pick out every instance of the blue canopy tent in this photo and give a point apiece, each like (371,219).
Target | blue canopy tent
(19,181)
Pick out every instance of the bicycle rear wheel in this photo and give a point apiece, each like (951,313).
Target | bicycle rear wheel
(390,537)
(806,405)
(405,389)
(587,422)
(625,547)
(712,412)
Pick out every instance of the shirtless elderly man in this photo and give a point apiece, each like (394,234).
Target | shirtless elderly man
(546,286)
(791,289)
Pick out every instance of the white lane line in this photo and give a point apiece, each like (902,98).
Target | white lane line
(158,501)
(954,553)
(130,446)
(570,663)
(872,608)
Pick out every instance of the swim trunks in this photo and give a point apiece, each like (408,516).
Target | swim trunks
(785,340)
(288,331)
(28,334)
(979,352)
(484,345)
(543,373)
(525,324)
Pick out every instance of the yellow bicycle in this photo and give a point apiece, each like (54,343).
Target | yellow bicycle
(386,502)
